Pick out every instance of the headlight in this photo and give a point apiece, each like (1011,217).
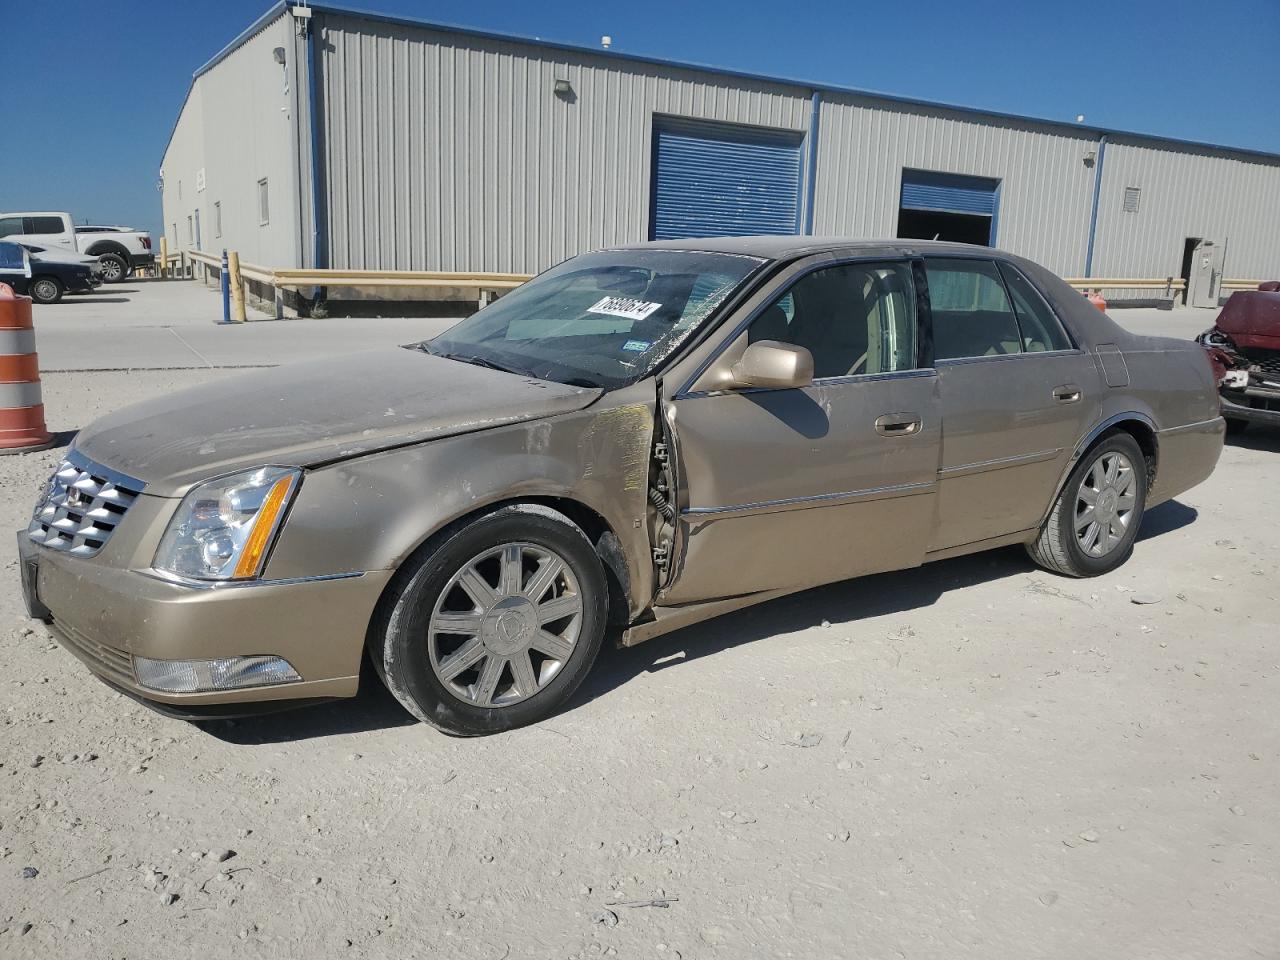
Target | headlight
(223,528)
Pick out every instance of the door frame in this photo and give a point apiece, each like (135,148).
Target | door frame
(678,381)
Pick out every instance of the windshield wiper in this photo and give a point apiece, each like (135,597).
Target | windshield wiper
(483,362)
(479,361)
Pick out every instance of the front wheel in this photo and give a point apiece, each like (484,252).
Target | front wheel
(1094,523)
(496,626)
(46,289)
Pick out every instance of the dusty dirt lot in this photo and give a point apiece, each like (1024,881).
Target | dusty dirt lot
(974,759)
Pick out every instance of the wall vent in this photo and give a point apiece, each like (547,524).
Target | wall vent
(1132,196)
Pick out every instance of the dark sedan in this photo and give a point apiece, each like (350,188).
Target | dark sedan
(47,279)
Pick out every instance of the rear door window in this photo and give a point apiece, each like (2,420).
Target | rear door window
(972,315)
(47,225)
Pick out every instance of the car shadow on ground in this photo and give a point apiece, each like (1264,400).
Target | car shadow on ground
(1265,438)
(842,605)
(91,298)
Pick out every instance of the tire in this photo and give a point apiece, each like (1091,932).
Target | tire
(506,665)
(1099,546)
(46,289)
(1236,427)
(115,268)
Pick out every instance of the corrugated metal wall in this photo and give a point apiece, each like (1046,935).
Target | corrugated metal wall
(184,156)
(452,151)
(233,126)
(1186,193)
(1046,191)
(448,152)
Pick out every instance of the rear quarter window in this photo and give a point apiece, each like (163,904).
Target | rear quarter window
(1040,328)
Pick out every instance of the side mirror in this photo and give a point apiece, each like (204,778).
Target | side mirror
(769,363)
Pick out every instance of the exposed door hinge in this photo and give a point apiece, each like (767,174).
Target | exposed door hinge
(662,555)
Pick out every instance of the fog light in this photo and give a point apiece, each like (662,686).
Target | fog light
(200,676)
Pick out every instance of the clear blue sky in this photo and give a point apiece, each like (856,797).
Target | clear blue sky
(93,89)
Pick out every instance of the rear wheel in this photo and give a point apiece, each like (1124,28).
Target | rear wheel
(1094,523)
(46,289)
(497,625)
(114,267)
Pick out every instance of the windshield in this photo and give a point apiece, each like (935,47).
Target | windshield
(602,319)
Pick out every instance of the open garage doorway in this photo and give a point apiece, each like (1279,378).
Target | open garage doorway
(948,206)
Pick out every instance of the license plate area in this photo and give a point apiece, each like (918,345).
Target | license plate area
(29,570)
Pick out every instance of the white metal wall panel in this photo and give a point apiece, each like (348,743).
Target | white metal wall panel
(237,126)
(1046,191)
(1186,193)
(184,156)
(451,152)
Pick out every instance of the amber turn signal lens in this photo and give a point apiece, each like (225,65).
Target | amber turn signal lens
(263,526)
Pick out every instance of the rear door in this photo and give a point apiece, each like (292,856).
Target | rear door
(50,229)
(784,488)
(1016,397)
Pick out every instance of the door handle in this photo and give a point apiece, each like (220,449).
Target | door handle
(898,425)
(1067,393)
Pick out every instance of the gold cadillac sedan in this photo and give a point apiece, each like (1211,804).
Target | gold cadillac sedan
(636,440)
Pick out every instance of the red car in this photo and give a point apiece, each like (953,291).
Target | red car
(1244,348)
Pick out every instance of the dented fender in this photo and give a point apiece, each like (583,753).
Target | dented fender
(373,512)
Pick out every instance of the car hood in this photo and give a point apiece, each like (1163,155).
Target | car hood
(50,255)
(310,413)
(1251,318)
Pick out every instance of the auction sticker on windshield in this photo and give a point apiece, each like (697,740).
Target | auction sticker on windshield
(624,307)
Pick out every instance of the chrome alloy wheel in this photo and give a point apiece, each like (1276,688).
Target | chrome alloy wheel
(44,290)
(505,624)
(1105,504)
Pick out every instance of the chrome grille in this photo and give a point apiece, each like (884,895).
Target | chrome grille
(81,507)
(1267,362)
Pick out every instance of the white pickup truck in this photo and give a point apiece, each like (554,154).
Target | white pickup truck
(121,250)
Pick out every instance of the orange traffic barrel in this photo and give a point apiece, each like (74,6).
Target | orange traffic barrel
(1095,297)
(21,409)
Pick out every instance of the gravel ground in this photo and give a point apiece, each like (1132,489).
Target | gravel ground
(974,759)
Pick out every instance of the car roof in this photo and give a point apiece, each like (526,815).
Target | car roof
(789,247)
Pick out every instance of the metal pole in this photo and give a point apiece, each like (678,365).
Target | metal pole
(811,174)
(226,289)
(1093,213)
(237,286)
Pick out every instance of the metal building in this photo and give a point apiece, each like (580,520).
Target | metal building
(326,137)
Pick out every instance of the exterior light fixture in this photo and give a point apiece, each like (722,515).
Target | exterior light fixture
(563,88)
(1090,157)
(278,54)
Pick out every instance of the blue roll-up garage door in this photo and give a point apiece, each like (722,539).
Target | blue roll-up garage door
(713,180)
(949,192)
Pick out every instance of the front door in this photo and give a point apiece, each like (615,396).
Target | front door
(784,488)
(1204,277)
(1016,398)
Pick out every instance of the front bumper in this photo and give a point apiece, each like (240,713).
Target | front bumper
(106,616)
(83,284)
(1256,404)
